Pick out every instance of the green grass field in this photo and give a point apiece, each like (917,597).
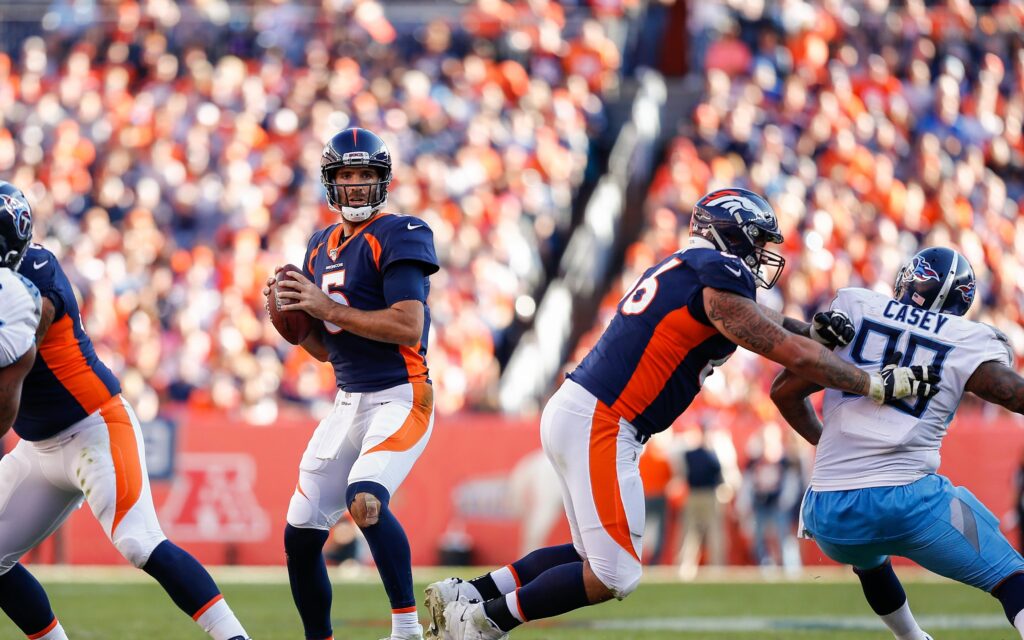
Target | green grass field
(123,605)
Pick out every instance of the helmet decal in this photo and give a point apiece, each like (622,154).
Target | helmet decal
(21,214)
(733,202)
(967,292)
(921,271)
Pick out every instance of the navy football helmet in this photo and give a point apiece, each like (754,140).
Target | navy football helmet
(936,279)
(15,225)
(740,222)
(355,147)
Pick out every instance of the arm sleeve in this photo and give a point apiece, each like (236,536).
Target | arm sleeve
(727,273)
(405,280)
(410,239)
(311,250)
(45,277)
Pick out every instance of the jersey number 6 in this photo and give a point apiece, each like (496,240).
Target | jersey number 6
(642,293)
(331,284)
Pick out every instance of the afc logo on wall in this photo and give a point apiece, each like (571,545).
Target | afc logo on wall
(213,499)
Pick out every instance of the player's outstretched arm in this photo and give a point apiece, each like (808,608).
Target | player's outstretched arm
(792,325)
(741,320)
(998,384)
(11,379)
(830,328)
(790,394)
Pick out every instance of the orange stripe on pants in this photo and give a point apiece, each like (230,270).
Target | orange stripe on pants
(124,452)
(415,425)
(604,476)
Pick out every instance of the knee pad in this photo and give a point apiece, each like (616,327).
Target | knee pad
(621,579)
(299,542)
(137,549)
(361,511)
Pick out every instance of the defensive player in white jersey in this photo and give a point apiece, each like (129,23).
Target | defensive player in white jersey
(875,491)
(20,306)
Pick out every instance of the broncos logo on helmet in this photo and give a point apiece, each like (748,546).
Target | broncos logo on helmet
(734,202)
(740,222)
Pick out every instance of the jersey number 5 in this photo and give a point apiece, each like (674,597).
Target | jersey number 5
(891,337)
(331,284)
(643,292)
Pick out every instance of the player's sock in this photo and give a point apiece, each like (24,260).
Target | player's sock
(1011,595)
(886,596)
(219,621)
(390,549)
(193,590)
(24,601)
(307,574)
(521,572)
(554,592)
(405,622)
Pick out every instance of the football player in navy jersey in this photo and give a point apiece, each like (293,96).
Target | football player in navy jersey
(80,441)
(365,280)
(685,316)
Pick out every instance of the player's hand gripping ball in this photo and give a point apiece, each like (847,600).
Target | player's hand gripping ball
(293,325)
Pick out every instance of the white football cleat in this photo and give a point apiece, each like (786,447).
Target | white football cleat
(466,620)
(418,635)
(440,594)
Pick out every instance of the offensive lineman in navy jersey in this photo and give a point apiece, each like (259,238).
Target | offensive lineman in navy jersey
(684,317)
(366,279)
(80,441)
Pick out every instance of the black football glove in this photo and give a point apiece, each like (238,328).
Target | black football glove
(893,382)
(832,329)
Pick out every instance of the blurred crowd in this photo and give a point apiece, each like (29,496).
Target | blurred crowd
(171,153)
(874,128)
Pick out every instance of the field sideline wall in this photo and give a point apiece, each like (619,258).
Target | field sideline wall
(227,485)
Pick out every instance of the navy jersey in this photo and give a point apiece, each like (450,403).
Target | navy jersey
(351,271)
(67,382)
(653,357)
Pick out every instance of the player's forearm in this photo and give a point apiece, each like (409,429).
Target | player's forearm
(314,344)
(792,325)
(789,395)
(385,325)
(822,367)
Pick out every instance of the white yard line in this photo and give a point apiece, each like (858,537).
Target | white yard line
(758,623)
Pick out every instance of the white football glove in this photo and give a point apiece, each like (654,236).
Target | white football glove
(832,328)
(894,382)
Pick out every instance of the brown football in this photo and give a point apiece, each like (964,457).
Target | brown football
(294,325)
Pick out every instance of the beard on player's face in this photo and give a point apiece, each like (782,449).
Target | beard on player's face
(355,185)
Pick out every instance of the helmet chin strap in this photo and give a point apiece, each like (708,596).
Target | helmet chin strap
(701,243)
(358,214)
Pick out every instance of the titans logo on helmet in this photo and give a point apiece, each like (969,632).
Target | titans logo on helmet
(17,210)
(922,271)
(967,292)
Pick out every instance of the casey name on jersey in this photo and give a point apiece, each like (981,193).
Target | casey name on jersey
(927,320)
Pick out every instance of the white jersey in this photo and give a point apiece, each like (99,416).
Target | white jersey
(867,445)
(20,306)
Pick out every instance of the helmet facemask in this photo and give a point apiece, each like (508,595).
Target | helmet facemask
(356,202)
(747,242)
